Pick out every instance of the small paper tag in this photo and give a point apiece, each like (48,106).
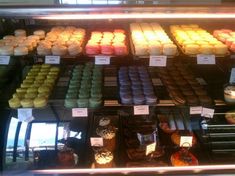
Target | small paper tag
(157,82)
(186,141)
(207,112)
(158,61)
(195,110)
(232,76)
(110,84)
(52,60)
(102,60)
(25,114)
(64,79)
(150,148)
(62,84)
(4,60)
(141,110)
(110,79)
(206,59)
(96,141)
(79,112)
(111,102)
(201,81)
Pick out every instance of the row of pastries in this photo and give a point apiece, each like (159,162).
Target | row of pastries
(147,39)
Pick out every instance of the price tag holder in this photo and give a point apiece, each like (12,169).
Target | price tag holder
(186,141)
(97,141)
(158,61)
(25,114)
(141,110)
(207,112)
(232,76)
(79,112)
(102,60)
(52,60)
(150,148)
(195,110)
(4,60)
(205,59)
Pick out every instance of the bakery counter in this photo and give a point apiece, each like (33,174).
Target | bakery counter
(218,133)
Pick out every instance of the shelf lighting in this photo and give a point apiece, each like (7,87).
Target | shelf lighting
(100,16)
(195,169)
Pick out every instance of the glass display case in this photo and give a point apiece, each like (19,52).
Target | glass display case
(118,87)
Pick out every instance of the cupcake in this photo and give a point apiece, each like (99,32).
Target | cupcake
(103,159)
(229,94)
(109,136)
(104,121)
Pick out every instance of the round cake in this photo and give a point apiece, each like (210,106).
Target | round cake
(230,117)
(229,94)
(183,158)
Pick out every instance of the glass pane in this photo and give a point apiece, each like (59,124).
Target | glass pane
(11,139)
(21,142)
(42,135)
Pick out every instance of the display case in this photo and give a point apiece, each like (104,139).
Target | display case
(143,87)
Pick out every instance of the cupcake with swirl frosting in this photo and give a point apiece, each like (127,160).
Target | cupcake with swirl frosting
(103,159)
(108,133)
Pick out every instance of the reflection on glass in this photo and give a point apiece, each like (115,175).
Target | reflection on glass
(42,135)
(21,141)
(95,2)
(11,139)
(77,135)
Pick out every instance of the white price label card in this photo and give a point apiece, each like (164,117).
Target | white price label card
(4,60)
(102,60)
(79,112)
(141,110)
(232,76)
(150,148)
(195,110)
(157,82)
(25,114)
(207,112)
(158,61)
(186,141)
(52,60)
(97,141)
(206,59)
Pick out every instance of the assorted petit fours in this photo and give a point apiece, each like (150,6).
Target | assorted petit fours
(196,40)
(107,43)
(85,87)
(151,39)
(183,86)
(226,36)
(36,88)
(135,86)
(61,41)
(19,44)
